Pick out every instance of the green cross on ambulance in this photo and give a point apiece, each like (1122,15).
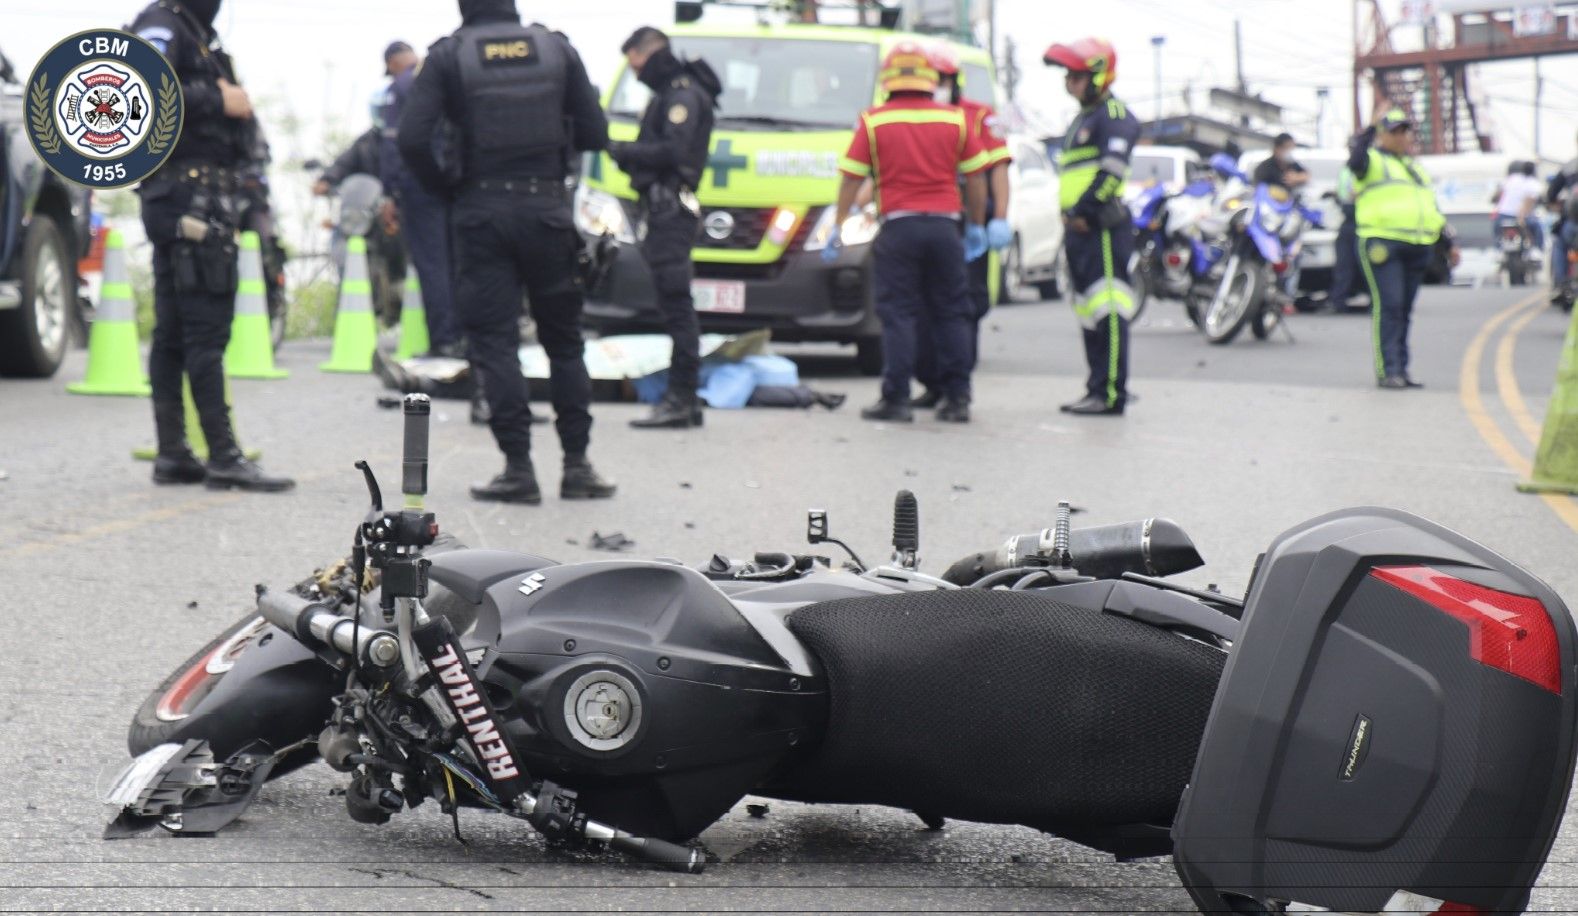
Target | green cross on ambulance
(791,95)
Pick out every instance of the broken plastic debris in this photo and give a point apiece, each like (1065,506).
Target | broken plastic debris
(615,542)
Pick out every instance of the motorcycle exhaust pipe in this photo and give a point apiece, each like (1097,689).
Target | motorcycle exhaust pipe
(316,625)
(1151,547)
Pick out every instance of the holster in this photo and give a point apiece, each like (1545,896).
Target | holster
(1112,214)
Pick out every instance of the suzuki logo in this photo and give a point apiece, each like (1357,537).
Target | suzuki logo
(531,584)
(719,225)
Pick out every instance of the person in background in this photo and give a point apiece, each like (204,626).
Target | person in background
(1280,168)
(1517,197)
(1561,200)
(1345,272)
(520,101)
(1399,223)
(190,211)
(1099,236)
(983,123)
(665,164)
(914,147)
(423,217)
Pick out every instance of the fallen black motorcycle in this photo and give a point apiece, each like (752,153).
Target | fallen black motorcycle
(1386,720)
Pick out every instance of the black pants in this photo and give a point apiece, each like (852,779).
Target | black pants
(191,326)
(507,244)
(1394,271)
(920,280)
(671,233)
(978,273)
(1345,272)
(424,221)
(1098,269)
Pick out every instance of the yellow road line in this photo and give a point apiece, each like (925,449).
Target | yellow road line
(123,523)
(1474,406)
(1507,380)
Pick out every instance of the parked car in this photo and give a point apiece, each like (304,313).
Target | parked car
(43,232)
(1034,262)
(1170,166)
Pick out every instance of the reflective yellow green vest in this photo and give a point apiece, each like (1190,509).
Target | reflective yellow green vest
(1077,165)
(1390,203)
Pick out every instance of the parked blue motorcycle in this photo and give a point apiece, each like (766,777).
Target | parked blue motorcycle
(1262,243)
(1177,234)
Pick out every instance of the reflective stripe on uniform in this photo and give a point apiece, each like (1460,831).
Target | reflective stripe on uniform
(975,163)
(1375,307)
(1106,296)
(916,116)
(858,169)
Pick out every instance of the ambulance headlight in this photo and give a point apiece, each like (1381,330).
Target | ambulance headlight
(599,212)
(859,229)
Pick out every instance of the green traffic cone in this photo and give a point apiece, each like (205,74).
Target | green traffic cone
(114,360)
(355,328)
(194,429)
(1556,462)
(250,353)
(413,321)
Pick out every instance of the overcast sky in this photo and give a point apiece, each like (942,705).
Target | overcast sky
(320,59)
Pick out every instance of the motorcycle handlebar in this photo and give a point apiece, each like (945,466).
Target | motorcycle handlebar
(413,479)
(1153,547)
(316,625)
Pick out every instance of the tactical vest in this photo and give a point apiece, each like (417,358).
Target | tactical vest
(514,79)
(1080,158)
(1395,200)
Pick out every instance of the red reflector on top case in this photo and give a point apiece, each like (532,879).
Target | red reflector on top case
(1511,632)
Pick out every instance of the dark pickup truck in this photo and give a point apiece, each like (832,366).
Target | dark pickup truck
(44,230)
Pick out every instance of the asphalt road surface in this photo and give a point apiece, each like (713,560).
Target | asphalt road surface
(110,582)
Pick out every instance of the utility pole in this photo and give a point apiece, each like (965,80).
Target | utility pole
(1156,42)
(1539,90)
(1322,93)
(1238,58)
(1009,70)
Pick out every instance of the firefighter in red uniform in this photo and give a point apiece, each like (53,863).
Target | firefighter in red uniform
(982,121)
(914,148)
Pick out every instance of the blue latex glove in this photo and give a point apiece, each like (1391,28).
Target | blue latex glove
(999,234)
(974,242)
(835,247)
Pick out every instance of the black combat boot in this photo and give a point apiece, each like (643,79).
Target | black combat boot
(581,480)
(175,463)
(231,470)
(1093,406)
(518,484)
(928,399)
(677,410)
(891,411)
(954,410)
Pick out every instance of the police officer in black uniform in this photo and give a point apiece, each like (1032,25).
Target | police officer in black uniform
(190,211)
(519,99)
(665,164)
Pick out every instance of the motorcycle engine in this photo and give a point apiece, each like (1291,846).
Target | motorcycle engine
(642,687)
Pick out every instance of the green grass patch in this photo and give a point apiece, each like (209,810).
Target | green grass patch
(311,311)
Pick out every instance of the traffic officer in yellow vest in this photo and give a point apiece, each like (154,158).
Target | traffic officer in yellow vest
(1097,240)
(1398,224)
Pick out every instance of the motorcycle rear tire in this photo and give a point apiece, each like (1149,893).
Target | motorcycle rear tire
(148,730)
(1263,323)
(1517,274)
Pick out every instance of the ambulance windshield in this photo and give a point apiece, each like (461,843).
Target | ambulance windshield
(774,83)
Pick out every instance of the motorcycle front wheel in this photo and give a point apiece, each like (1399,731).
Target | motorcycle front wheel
(1235,298)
